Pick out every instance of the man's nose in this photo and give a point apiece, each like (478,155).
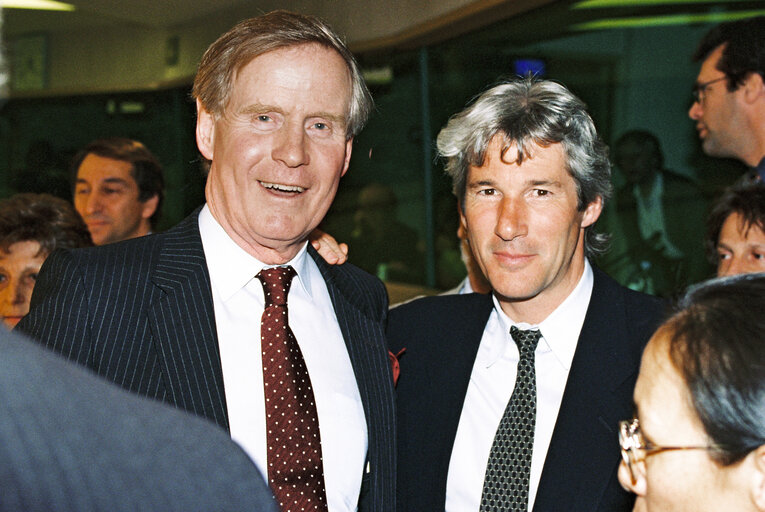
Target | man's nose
(695,111)
(511,219)
(290,146)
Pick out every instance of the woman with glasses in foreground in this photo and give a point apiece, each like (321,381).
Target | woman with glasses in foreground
(697,441)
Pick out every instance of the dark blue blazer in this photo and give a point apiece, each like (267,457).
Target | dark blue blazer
(140,313)
(442,334)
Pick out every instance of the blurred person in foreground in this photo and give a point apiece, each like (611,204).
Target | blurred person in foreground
(31,227)
(71,442)
(697,440)
(736,230)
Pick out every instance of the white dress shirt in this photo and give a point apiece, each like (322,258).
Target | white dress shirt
(239,303)
(491,384)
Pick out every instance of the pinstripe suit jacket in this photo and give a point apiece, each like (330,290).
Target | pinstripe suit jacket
(140,313)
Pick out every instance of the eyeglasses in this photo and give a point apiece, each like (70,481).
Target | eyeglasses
(635,447)
(699,90)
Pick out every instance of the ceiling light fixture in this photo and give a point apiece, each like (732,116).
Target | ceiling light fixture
(658,21)
(39,5)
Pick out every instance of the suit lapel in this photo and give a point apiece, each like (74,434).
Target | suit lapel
(360,312)
(583,447)
(183,325)
(362,332)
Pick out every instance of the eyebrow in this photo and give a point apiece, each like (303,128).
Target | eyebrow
(110,181)
(259,108)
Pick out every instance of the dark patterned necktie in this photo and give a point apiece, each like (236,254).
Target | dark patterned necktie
(506,484)
(295,470)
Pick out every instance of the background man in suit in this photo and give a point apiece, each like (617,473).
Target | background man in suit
(531,176)
(729,94)
(177,316)
(118,189)
(70,441)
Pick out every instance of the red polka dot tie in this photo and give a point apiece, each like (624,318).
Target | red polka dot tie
(295,470)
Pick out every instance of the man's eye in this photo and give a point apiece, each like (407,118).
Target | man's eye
(540,192)
(264,118)
(723,256)
(758,255)
(487,192)
(321,126)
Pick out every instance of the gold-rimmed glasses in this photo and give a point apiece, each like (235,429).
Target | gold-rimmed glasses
(699,90)
(635,447)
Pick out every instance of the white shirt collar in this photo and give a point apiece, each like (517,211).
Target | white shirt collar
(231,267)
(561,328)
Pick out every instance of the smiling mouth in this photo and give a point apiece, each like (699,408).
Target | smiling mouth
(294,189)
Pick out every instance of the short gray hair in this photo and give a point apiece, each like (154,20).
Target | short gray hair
(524,112)
(273,31)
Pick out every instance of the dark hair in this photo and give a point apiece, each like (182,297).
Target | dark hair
(525,112)
(262,34)
(747,200)
(645,141)
(744,50)
(50,221)
(717,344)
(146,169)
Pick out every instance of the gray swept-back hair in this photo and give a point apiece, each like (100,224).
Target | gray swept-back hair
(527,112)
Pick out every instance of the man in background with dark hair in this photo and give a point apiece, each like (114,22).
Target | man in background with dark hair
(118,189)
(729,94)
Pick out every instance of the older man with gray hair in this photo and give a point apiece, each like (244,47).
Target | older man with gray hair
(513,401)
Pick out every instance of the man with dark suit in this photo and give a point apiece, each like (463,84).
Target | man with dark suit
(729,93)
(511,401)
(70,441)
(177,316)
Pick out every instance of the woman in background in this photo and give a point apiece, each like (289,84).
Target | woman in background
(31,227)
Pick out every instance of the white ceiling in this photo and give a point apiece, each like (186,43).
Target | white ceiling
(99,13)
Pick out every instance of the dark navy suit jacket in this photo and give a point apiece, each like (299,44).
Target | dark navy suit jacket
(140,313)
(441,336)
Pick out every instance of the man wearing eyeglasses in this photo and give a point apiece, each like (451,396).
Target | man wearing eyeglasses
(729,94)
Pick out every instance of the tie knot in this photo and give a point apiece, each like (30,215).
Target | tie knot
(276,284)
(526,340)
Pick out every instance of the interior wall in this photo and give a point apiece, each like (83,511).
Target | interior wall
(129,57)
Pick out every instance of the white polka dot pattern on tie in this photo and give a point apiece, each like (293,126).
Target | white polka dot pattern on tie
(295,469)
(506,484)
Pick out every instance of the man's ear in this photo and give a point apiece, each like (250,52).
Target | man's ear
(205,131)
(348,150)
(758,478)
(149,206)
(754,88)
(592,212)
